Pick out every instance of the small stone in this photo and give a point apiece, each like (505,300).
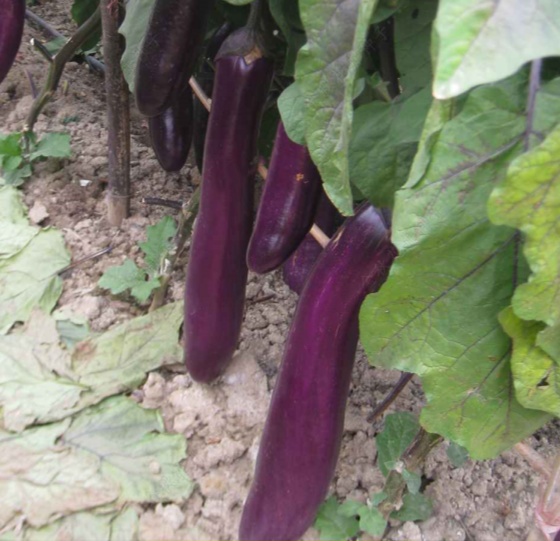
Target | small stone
(38,212)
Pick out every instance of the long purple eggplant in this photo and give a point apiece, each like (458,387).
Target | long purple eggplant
(301,439)
(171,132)
(217,271)
(297,267)
(12,15)
(287,205)
(205,78)
(169,51)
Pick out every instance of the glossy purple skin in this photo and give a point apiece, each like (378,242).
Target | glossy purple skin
(12,16)
(298,266)
(171,132)
(288,202)
(205,78)
(169,51)
(301,439)
(217,271)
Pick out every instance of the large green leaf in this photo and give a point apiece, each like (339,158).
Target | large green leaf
(29,278)
(326,70)
(15,232)
(40,382)
(529,200)
(130,449)
(437,315)
(482,41)
(536,374)
(108,454)
(133,29)
(41,479)
(384,141)
(286,15)
(115,526)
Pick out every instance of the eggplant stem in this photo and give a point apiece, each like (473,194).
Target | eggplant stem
(184,229)
(200,94)
(57,67)
(412,459)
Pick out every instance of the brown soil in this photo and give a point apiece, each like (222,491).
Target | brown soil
(482,501)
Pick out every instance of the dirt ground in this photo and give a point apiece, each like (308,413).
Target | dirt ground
(483,501)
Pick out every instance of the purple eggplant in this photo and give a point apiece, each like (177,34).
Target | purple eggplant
(298,266)
(205,78)
(287,205)
(217,271)
(169,52)
(12,16)
(171,131)
(302,434)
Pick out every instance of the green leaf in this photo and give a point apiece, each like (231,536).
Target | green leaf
(350,508)
(384,141)
(377,498)
(286,15)
(53,145)
(413,32)
(29,279)
(71,327)
(42,479)
(415,507)
(128,443)
(398,433)
(158,243)
(536,375)
(291,104)
(17,176)
(549,341)
(238,2)
(11,163)
(35,381)
(456,454)
(413,481)
(128,276)
(40,382)
(118,360)
(437,314)
(326,70)
(81,11)
(482,42)
(372,521)
(133,29)
(107,455)
(15,233)
(12,209)
(528,199)
(9,145)
(332,525)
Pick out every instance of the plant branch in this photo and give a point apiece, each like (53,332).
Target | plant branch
(169,203)
(184,228)
(57,67)
(200,94)
(118,115)
(385,42)
(412,459)
(391,397)
(95,64)
(536,461)
(84,259)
